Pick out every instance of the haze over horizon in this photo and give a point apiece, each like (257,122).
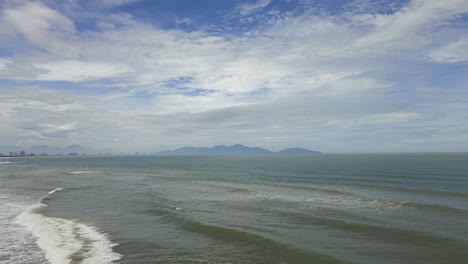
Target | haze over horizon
(140,75)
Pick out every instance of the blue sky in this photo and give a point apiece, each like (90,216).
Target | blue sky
(141,75)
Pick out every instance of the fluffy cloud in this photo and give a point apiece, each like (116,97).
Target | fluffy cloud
(247,8)
(3,63)
(72,70)
(414,22)
(455,52)
(318,80)
(41,26)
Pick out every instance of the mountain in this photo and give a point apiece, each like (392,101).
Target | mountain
(217,150)
(232,150)
(39,149)
(237,149)
(298,151)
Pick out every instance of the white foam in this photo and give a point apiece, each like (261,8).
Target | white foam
(83,172)
(10,162)
(16,244)
(57,190)
(60,239)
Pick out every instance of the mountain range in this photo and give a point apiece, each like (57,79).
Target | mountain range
(233,150)
(216,150)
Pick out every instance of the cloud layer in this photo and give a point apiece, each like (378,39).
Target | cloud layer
(351,78)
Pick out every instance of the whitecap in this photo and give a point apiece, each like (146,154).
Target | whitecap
(57,190)
(16,244)
(63,240)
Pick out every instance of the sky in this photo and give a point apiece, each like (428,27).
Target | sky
(149,75)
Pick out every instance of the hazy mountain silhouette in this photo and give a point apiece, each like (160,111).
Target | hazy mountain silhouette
(298,151)
(232,150)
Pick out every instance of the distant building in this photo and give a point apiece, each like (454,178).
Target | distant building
(22,153)
(11,153)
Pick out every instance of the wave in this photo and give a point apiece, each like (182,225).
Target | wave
(437,208)
(67,241)
(16,244)
(310,188)
(431,192)
(348,200)
(83,172)
(381,231)
(266,249)
(9,162)
(56,190)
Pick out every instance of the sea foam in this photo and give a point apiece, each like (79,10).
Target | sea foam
(67,241)
(16,244)
(56,190)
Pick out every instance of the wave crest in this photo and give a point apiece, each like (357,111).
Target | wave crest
(65,241)
(56,190)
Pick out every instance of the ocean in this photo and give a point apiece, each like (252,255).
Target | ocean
(265,209)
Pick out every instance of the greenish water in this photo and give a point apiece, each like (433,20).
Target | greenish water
(383,208)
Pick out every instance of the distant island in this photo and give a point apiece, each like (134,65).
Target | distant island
(233,150)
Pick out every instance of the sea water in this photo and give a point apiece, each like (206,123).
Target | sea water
(272,209)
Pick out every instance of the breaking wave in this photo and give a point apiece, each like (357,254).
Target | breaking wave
(56,190)
(83,172)
(67,241)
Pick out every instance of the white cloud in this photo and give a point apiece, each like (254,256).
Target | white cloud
(248,8)
(391,118)
(177,103)
(111,3)
(75,71)
(58,127)
(301,78)
(412,26)
(3,63)
(41,26)
(455,52)
(186,21)
(356,85)
(285,59)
